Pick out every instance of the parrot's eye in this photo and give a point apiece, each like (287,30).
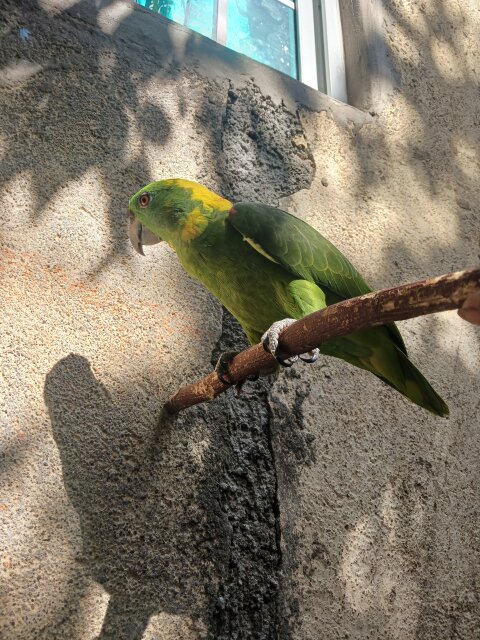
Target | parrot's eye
(144,199)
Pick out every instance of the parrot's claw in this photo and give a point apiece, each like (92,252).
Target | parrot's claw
(223,373)
(287,362)
(222,368)
(310,356)
(270,341)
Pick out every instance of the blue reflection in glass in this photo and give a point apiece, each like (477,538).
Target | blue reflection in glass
(261,29)
(265,31)
(194,14)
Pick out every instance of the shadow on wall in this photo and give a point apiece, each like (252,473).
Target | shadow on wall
(143,527)
(414,550)
(69,113)
(76,102)
(421,169)
(430,50)
(388,534)
(178,520)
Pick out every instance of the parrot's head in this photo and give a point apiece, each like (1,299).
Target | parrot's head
(171,210)
(145,209)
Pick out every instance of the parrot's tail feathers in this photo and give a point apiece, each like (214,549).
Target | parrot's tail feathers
(375,351)
(418,389)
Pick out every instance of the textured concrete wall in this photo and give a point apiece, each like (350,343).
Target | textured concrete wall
(318,505)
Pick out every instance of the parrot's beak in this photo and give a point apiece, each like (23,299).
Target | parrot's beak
(140,235)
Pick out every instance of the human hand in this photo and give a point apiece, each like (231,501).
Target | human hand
(470,310)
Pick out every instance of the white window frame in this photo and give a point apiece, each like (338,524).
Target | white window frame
(319,30)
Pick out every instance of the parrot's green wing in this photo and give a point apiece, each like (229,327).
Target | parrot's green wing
(303,251)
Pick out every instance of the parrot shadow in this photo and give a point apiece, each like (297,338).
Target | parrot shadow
(142,534)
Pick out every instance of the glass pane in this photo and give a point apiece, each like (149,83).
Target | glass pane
(195,14)
(265,31)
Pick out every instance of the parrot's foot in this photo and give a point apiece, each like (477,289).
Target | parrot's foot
(222,369)
(270,341)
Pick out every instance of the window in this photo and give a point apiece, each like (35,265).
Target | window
(302,38)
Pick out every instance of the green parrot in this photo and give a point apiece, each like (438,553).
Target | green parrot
(269,268)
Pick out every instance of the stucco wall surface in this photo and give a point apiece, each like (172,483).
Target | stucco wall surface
(317,505)
(384,524)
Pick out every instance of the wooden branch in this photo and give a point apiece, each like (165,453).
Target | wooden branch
(388,305)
